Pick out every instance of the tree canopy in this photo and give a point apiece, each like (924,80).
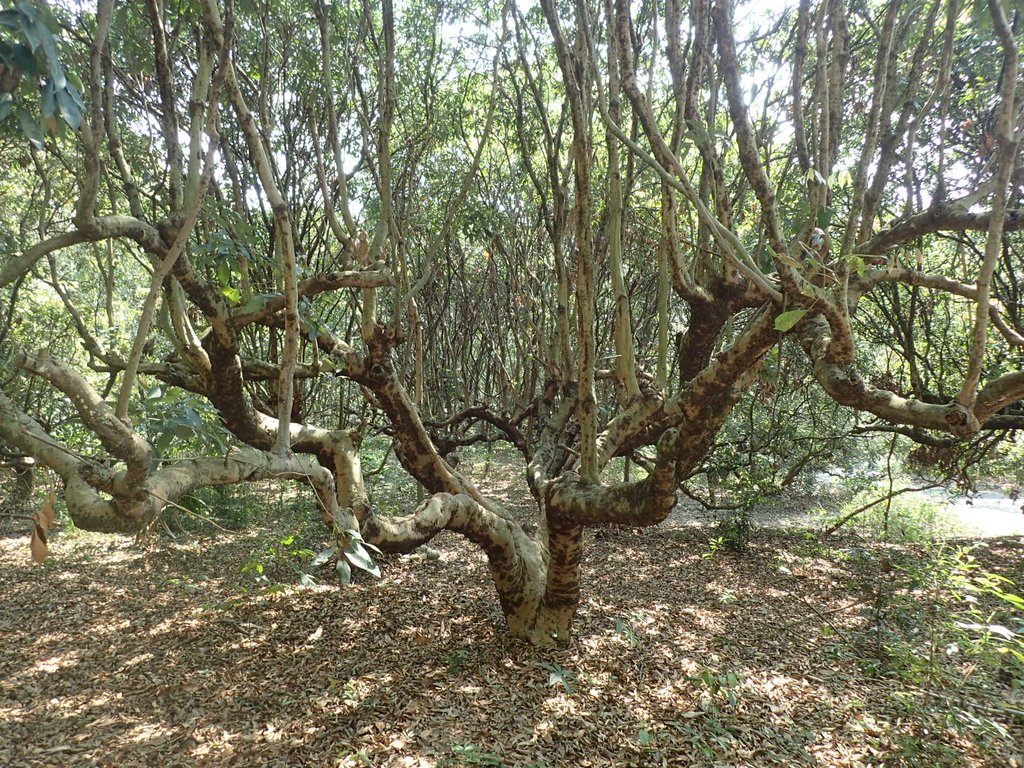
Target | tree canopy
(710,239)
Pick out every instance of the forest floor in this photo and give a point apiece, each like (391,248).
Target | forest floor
(799,650)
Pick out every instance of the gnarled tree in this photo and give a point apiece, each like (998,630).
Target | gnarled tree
(582,225)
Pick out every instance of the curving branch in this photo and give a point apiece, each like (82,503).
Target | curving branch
(323,283)
(101,499)
(941,217)
(999,394)
(160,273)
(913,277)
(20,265)
(514,559)
(113,432)
(284,229)
(749,156)
(845,385)
(1006,154)
(665,162)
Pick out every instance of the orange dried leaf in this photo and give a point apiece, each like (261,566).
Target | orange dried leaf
(38,545)
(45,516)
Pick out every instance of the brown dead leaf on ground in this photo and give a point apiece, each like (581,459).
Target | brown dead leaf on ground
(121,655)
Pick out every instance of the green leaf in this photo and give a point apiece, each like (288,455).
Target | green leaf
(813,174)
(361,559)
(858,265)
(559,675)
(74,90)
(344,571)
(27,25)
(789,261)
(191,418)
(30,128)
(223,273)
(842,178)
(182,431)
(163,442)
(24,60)
(697,133)
(69,109)
(56,70)
(353,534)
(256,303)
(11,19)
(322,557)
(787,320)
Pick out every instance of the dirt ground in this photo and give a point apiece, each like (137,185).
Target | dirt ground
(165,653)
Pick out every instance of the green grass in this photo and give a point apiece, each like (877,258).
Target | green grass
(902,518)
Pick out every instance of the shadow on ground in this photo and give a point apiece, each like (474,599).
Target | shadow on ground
(165,654)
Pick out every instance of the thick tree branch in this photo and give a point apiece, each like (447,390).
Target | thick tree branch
(845,385)
(940,217)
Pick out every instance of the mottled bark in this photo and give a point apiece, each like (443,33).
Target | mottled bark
(953,216)
(515,560)
(114,434)
(1005,157)
(415,450)
(748,151)
(126,501)
(845,384)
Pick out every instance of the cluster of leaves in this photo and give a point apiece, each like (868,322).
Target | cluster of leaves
(731,534)
(349,550)
(174,420)
(31,70)
(285,552)
(290,555)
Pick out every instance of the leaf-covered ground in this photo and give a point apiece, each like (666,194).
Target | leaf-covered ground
(166,653)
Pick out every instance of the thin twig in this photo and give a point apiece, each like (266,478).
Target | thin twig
(887,497)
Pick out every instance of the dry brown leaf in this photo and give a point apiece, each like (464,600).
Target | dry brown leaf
(415,681)
(38,544)
(45,516)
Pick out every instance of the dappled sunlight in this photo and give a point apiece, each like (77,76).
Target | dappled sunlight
(647,330)
(148,733)
(177,623)
(727,655)
(55,663)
